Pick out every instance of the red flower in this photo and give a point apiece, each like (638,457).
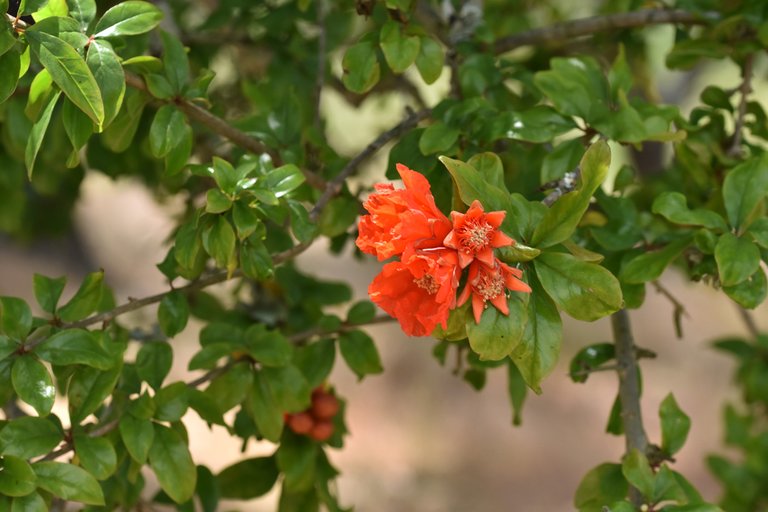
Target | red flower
(490,283)
(420,292)
(475,234)
(401,220)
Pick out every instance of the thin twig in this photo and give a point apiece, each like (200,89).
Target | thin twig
(302,336)
(334,187)
(679,311)
(563,32)
(744,89)
(749,322)
(629,390)
(212,374)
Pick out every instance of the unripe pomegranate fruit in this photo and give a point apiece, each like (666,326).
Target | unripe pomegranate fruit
(321,431)
(301,422)
(324,406)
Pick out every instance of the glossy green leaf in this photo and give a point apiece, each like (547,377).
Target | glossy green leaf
(400,50)
(33,384)
(231,388)
(96,454)
(282,180)
(672,206)
(583,290)
(430,60)
(289,387)
(128,19)
(175,62)
(361,67)
(86,300)
(208,410)
(79,128)
(119,135)
(10,64)
(172,402)
(576,86)
(64,28)
(7,34)
(172,464)
(516,391)
(751,292)
(74,346)
(15,317)
(675,425)
(315,361)
(497,334)
(303,229)
(173,313)
(297,460)
(137,434)
(360,354)
(564,215)
(219,242)
(266,412)
(8,347)
(105,66)
(69,71)
(536,354)
(88,388)
(743,188)
(167,130)
(29,437)
(268,347)
(153,362)
(538,124)
(438,137)
(650,265)
(248,478)
(16,477)
(38,133)
(83,11)
(638,472)
(255,260)
(737,258)
(217,202)
(589,359)
(30,503)
(602,484)
(68,482)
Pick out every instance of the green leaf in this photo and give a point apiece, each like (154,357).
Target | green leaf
(167,130)
(10,65)
(248,478)
(282,180)
(297,459)
(225,175)
(15,317)
(538,124)
(536,354)
(672,206)
(268,347)
(437,138)
(217,202)
(602,484)
(118,136)
(564,215)
(751,292)
(315,361)
(128,19)
(205,407)
(638,472)
(583,290)
(255,260)
(289,387)
(173,313)
(231,388)
(68,482)
(516,391)
(589,359)
(38,132)
(105,66)
(7,347)
(265,411)
(576,86)
(303,229)
(86,300)
(69,71)
(219,242)
(175,62)
(7,33)
(88,388)
(360,354)
(400,50)
(137,434)
(31,6)
(16,477)
(675,425)
(29,503)
(743,188)
(172,464)
(172,402)
(650,265)
(153,362)
(33,383)
(74,346)
(64,28)
(497,334)
(29,437)
(361,67)
(83,11)
(79,128)
(737,259)
(489,166)
(361,312)
(96,454)
(430,59)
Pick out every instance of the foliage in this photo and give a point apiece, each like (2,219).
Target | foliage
(552,134)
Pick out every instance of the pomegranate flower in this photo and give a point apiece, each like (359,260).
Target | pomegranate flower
(419,292)
(490,283)
(401,220)
(476,234)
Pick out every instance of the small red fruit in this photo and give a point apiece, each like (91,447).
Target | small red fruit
(321,431)
(301,423)
(324,406)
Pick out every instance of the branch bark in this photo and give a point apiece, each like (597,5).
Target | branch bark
(562,32)
(629,390)
(744,89)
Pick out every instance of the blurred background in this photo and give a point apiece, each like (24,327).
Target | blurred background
(420,438)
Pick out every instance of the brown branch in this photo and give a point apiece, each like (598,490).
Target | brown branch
(679,311)
(562,32)
(749,322)
(629,390)
(744,89)
(302,336)
(334,187)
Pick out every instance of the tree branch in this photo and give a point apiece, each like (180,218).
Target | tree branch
(744,89)
(301,337)
(562,32)
(629,390)
(749,322)
(334,187)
